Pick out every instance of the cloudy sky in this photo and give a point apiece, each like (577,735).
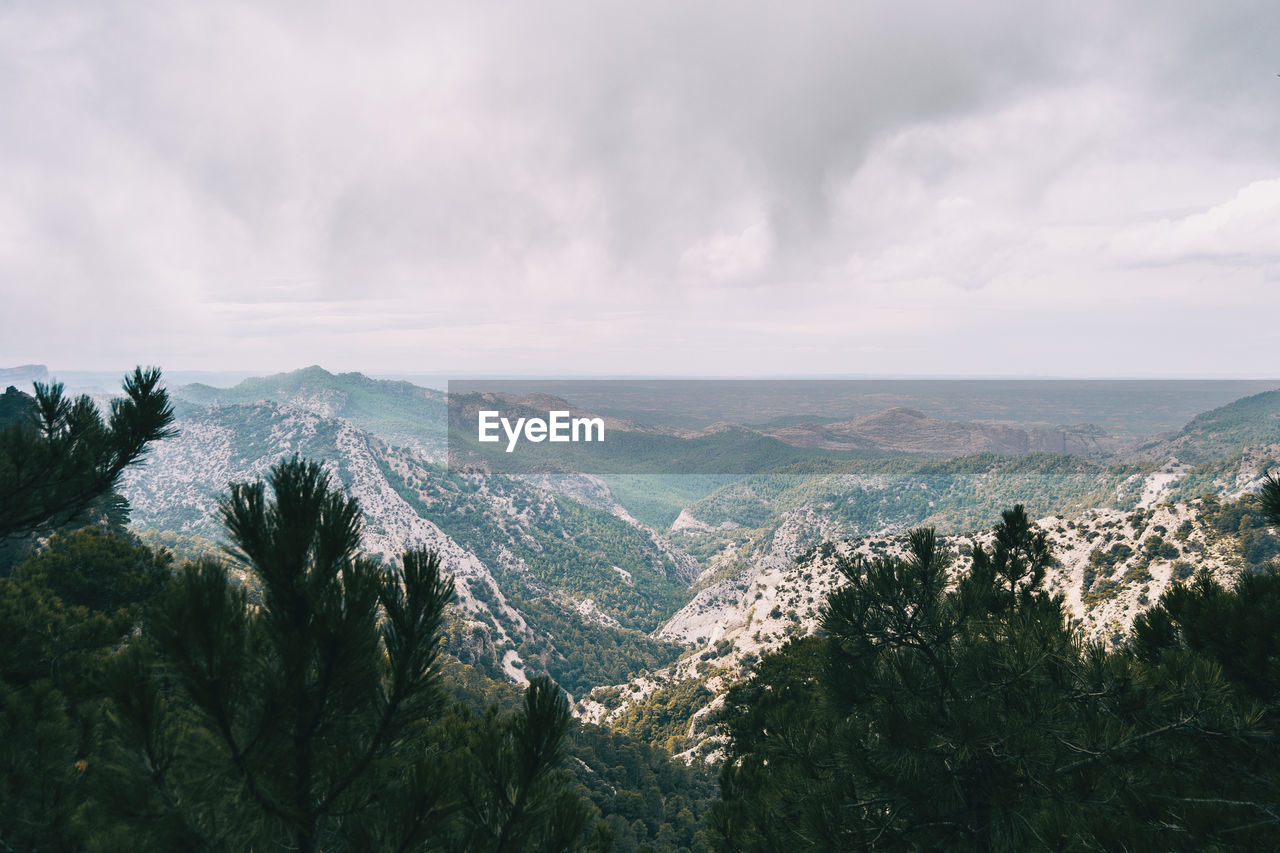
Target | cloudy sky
(658,188)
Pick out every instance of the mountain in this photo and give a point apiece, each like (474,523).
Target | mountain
(1226,450)
(1221,432)
(397,412)
(657,590)
(543,579)
(22,376)
(1122,533)
(1111,564)
(910,431)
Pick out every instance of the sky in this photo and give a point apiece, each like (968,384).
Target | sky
(642,188)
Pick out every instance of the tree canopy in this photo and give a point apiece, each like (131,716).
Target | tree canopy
(317,720)
(962,711)
(57,455)
(291,697)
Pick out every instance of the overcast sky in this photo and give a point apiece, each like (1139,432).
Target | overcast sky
(670,188)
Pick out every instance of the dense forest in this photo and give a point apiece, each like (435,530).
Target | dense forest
(299,703)
(295,693)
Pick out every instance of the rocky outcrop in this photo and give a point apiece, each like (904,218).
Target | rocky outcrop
(1111,565)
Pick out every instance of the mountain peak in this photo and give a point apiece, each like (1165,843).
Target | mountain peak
(311,371)
(896,413)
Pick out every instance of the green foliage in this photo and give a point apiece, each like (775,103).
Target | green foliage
(639,795)
(1245,520)
(570,546)
(217,705)
(642,796)
(1156,548)
(663,717)
(317,720)
(565,546)
(580,655)
(58,455)
(292,714)
(1107,560)
(515,798)
(184,546)
(62,613)
(1269,499)
(781,772)
(96,570)
(1236,629)
(972,717)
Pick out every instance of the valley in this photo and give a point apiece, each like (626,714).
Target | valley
(624,585)
(673,575)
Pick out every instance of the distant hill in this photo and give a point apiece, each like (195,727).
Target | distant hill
(22,376)
(1226,451)
(1222,431)
(395,411)
(905,430)
(1124,408)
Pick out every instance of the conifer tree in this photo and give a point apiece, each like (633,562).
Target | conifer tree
(515,797)
(62,612)
(967,714)
(57,455)
(300,706)
(285,723)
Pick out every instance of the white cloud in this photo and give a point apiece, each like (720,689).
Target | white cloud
(1243,231)
(732,254)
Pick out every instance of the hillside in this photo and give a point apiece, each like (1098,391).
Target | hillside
(654,591)
(397,412)
(911,431)
(544,580)
(1221,432)
(1111,564)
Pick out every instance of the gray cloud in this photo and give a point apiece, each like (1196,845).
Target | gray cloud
(705,187)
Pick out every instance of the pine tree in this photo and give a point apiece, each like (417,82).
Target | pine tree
(516,798)
(301,706)
(1270,496)
(57,456)
(62,613)
(969,715)
(285,723)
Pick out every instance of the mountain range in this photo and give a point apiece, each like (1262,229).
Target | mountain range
(629,587)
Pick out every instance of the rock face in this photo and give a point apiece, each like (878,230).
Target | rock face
(519,552)
(178,487)
(906,430)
